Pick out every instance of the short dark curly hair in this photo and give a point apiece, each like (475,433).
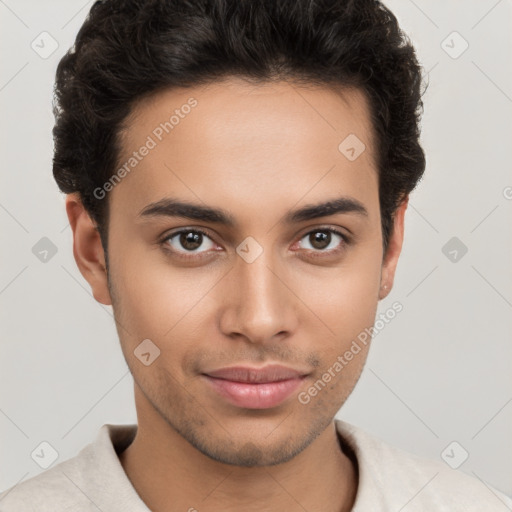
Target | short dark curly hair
(129,49)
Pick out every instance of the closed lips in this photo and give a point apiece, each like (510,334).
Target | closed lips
(267,374)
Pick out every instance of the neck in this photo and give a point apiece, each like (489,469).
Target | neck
(171,475)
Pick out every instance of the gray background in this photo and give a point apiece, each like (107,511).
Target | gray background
(439,372)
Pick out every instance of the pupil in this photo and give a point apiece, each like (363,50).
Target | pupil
(191,240)
(323,237)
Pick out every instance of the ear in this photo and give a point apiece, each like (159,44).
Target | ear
(393,251)
(88,249)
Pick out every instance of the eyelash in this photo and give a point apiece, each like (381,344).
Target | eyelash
(315,253)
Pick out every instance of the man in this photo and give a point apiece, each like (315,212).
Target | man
(237,175)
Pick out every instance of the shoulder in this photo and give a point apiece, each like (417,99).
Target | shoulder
(56,489)
(391,478)
(91,480)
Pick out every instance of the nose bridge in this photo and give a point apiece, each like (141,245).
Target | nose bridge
(262,305)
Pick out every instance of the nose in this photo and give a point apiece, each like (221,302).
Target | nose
(258,302)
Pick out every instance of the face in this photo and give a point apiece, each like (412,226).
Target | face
(264,279)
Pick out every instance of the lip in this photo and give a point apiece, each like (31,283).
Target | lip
(255,388)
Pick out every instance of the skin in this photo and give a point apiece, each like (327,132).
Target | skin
(258,152)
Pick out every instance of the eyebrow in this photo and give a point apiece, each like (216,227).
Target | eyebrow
(170,207)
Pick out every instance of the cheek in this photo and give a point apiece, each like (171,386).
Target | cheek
(153,294)
(160,302)
(343,299)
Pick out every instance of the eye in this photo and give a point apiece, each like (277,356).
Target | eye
(325,240)
(192,243)
(188,242)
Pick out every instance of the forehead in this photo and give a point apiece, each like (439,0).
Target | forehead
(243,110)
(235,138)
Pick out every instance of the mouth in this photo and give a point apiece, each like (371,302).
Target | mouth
(255,388)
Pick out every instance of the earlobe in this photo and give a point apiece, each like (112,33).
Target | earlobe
(393,250)
(88,249)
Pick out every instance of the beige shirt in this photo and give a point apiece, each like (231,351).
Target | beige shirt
(389,480)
